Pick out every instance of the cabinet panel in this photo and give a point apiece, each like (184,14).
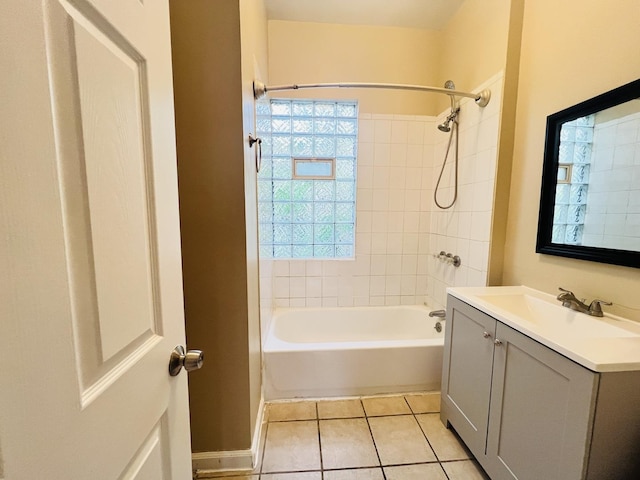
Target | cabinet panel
(467,369)
(616,428)
(540,411)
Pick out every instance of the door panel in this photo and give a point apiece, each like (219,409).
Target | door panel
(107,192)
(148,462)
(91,293)
(109,84)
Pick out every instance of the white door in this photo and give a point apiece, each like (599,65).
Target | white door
(90,268)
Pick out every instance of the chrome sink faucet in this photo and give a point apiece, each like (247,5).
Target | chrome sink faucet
(569,300)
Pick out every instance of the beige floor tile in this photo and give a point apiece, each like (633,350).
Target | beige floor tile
(347,443)
(291,446)
(399,440)
(444,442)
(379,406)
(430,471)
(292,476)
(464,470)
(340,409)
(359,474)
(424,402)
(287,411)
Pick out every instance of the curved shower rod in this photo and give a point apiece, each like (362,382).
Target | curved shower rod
(482,98)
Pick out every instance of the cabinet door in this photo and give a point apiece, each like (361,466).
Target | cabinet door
(541,408)
(466,379)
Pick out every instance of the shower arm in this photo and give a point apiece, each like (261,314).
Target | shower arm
(482,98)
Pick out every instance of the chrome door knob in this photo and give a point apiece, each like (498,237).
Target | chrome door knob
(497,342)
(486,334)
(191,360)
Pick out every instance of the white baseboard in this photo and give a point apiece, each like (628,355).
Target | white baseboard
(257,433)
(230,460)
(221,461)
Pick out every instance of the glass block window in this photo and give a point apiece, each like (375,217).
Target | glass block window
(307,216)
(576,139)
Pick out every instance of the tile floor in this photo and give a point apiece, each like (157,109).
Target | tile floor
(397,437)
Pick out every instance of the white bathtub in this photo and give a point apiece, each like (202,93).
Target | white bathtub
(323,352)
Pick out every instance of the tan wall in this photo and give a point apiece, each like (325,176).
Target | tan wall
(329,53)
(209,126)
(506,144)
(481,39)
(474,44)
(571,51)
(469,50)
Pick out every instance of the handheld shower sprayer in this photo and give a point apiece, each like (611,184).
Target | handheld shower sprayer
(446,125)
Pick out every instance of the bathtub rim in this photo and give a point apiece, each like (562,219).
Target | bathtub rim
(273,344)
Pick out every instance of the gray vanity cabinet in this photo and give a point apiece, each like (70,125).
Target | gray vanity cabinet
(529,413)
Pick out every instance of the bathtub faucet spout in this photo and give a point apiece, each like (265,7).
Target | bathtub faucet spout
(438,313)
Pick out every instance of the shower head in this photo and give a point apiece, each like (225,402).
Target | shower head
(446,125)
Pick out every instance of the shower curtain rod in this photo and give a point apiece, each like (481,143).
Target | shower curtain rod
(482,98)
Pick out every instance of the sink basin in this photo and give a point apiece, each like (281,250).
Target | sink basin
(601,344)
(554,316)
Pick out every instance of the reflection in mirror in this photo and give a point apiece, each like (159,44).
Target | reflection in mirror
(591,209)
(598,190)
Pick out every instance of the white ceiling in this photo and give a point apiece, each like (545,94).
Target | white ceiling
(424,14)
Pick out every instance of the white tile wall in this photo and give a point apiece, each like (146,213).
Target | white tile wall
(394,167)
(465,229)
(266,294)
(398,227)
(613,202)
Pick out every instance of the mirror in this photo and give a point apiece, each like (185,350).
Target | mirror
(590,199)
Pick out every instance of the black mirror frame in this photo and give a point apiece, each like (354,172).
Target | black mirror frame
(544,245)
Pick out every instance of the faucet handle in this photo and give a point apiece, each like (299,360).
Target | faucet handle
(570,293)
(595,308)
(565,294)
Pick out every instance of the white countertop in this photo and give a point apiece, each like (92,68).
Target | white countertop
(606,344)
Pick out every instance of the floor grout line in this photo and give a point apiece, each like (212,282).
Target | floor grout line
(319,443)
(426,437)
(384,475)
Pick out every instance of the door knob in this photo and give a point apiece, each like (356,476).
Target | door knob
(191,360)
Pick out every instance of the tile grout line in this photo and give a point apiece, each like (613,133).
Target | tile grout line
(349,417)
(426,438)
(366,417)
(319,442)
